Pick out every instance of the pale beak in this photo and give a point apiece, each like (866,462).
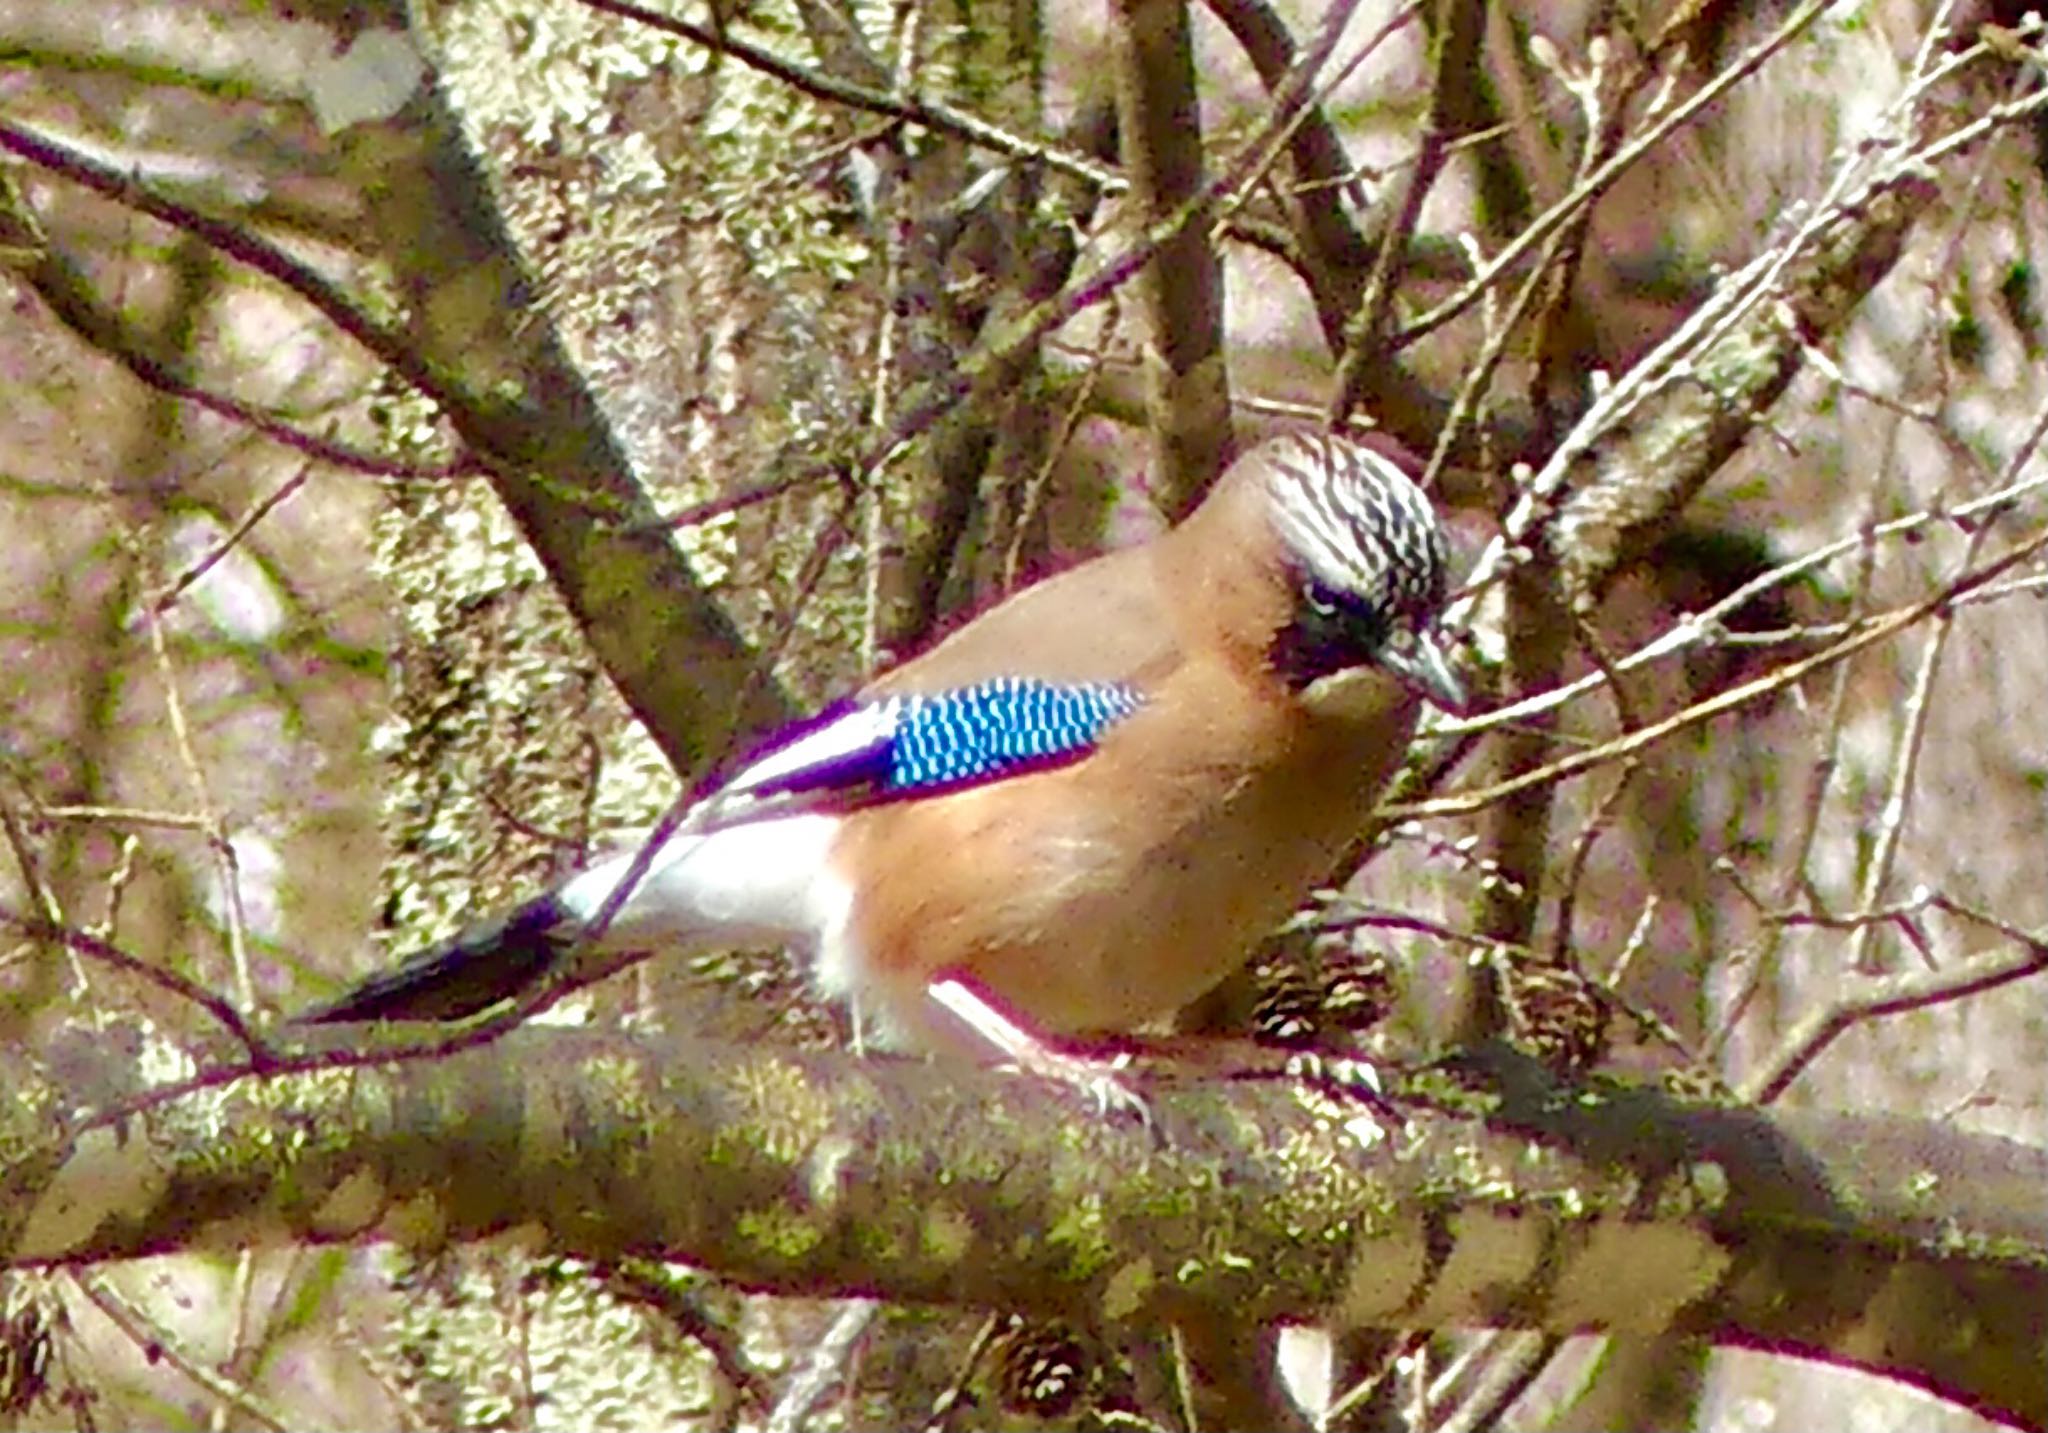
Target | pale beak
(1419,659)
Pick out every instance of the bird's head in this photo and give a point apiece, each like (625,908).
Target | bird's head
(1368,560)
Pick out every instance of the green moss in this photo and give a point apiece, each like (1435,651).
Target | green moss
(1082,1231)
(780,1232)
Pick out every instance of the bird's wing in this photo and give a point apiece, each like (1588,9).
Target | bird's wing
(1033,682)
(1104,621)
(888,746)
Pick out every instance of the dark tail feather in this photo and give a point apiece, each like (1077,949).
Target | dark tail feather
(472,971)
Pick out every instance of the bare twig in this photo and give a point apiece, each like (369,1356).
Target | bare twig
(157,1343)
(1595,184)
(1880,630)
(1704,628)
(222,845)
(177,586)
(911,109)
(94,948)
(1900,995)
(1456,36)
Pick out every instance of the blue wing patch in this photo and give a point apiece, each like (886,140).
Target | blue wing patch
(997,728)
(903,745)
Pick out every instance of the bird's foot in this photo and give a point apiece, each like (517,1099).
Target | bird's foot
(1097,1079)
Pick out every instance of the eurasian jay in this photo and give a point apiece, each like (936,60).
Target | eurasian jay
(1085,807)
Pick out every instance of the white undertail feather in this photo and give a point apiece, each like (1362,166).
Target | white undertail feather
(755,883)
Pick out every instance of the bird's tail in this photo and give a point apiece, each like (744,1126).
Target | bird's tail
(469,972)
(761,883)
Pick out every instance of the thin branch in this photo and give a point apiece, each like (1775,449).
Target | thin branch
(1736,697)
(156,1343)
(1320,162)
(1763,959)
(179,585)
(911,109)
(1456,36)
(1905,767)
(387,344)
(1040,482)
(110,337)
(1596,826)
(122,816)
(93,948)
(1597,183)
(218,839)
(1706,626)
(1899,995)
